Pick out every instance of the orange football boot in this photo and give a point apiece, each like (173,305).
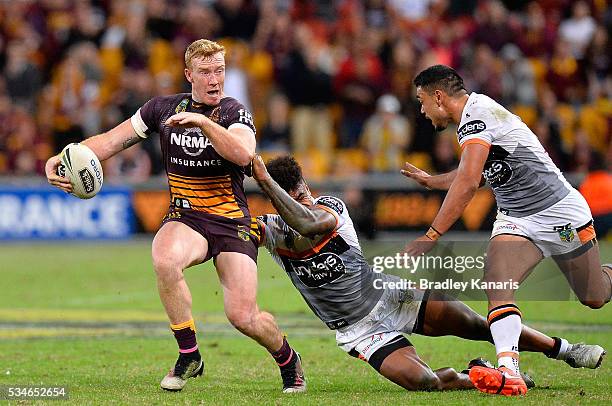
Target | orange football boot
(501,381)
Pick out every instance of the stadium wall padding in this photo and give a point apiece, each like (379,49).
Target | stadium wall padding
(390,210)
(47,213)
(117,212)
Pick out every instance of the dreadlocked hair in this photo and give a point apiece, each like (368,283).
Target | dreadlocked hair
(286,172)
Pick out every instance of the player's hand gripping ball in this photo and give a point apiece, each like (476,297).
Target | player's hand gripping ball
(82,167)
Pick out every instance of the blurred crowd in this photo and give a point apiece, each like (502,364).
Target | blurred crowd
(329,81)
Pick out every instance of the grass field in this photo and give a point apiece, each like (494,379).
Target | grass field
(88,317)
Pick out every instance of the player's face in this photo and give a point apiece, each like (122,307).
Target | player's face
(432,108)
(207,76)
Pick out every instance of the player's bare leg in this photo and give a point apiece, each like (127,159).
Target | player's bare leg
(591,281)
(405,368)
(509,257)
(238,275)
(447,316)
(175,248)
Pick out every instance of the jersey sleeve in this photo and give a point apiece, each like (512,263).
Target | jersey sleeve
(479,128)
(269,231)
(235,115)
(146,119)
(334,206)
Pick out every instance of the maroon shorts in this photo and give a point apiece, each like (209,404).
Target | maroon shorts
(223,234)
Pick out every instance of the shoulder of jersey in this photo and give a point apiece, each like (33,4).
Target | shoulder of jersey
(177,102)
(228,101)
(172,97)
(472,120)
(331,202)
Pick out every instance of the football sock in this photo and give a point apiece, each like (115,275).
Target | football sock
(559,351)
(505,324)
(185,335)
(284,355)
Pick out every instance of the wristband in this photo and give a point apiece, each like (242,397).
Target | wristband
(433,234)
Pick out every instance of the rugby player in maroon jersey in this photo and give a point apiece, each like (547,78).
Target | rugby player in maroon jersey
(207,140)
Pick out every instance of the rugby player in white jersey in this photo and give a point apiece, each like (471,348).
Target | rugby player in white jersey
(539,215)
(314,241)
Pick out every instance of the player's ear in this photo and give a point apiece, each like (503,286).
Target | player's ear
(438,95)
(188,75)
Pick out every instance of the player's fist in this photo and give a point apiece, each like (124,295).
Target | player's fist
(419,175)
(260,173)
(185,119)
(53,177)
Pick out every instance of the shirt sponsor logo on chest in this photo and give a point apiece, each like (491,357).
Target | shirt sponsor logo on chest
(318,270)
(191,140)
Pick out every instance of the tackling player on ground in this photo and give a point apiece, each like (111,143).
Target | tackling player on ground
(207,140)
(314,241)
(539,213)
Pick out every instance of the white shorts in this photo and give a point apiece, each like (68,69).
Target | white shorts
(560,229)
(395,313)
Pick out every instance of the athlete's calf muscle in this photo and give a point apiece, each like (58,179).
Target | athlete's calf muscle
(405,368)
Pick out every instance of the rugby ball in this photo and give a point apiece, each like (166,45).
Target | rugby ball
(82,167)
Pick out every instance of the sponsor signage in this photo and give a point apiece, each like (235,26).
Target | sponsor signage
(48,213)
(391,210)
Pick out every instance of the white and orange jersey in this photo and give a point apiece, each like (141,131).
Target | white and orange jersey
(329,270)
(523,177)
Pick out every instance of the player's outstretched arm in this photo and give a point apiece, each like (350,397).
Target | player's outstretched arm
(441,182)
(308,221)
(465,183)
(236,145)
(104,145)
(113,141)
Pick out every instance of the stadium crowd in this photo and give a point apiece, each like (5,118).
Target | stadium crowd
(329,81)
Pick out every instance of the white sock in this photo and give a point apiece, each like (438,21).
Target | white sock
(565,346)
(509,362)
(506,332)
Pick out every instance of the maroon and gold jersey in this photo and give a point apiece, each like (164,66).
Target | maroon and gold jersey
(198,177)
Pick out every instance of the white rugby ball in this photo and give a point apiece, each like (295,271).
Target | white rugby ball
(82,167)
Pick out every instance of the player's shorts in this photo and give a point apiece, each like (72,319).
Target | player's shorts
(223,234)
(379,333)
(558,230)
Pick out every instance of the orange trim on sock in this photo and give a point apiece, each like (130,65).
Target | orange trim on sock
(180,326)
(508,354)
(499,312)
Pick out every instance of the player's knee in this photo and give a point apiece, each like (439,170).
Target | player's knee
(167,269)
(162,264)
(417,378)
(427,380)
(166,260)
(593,304)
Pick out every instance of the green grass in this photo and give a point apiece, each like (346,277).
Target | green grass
(88,317)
